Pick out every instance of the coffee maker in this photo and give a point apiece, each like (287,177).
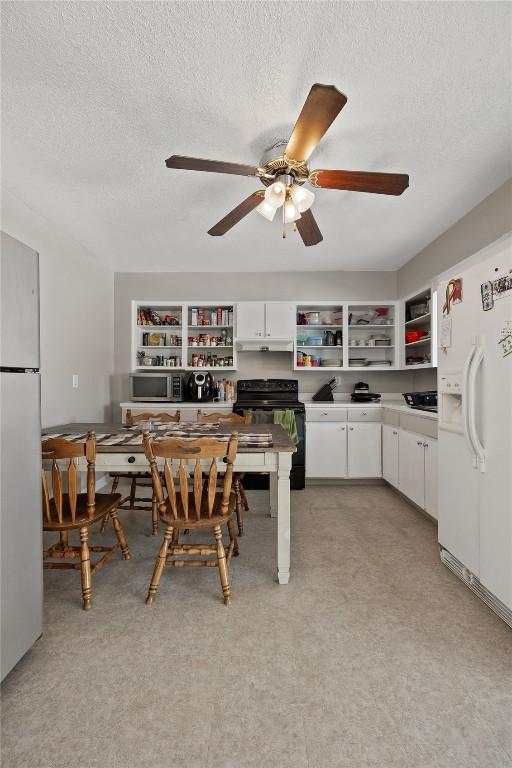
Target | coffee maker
(200,387)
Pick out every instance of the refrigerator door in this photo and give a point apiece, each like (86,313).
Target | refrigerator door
(19,294)
(458,521)
(20,519)
(493,422)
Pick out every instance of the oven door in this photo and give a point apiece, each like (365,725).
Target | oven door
(258,481)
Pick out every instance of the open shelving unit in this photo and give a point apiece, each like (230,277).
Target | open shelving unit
(316,326)
(371,335)
(419,314)
(171,334)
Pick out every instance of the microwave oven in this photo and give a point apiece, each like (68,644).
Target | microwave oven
(166,387)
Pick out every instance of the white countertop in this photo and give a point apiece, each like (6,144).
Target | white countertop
(394,405)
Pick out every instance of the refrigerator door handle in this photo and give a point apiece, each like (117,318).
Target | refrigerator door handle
(479,449)
(466,405)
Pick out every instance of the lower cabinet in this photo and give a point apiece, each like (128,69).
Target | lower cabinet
(411,467)
(364,452)
(430,446)
(390,454)
(417,470)
(326,449)
(338,450)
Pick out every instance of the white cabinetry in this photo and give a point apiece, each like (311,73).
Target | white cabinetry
(279,320)
(265,320)
(411,470)
(364,450)
(390,454)
(326,449)
(250,320)
(338,445)
(430,447)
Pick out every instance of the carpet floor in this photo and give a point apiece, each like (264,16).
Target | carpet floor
(373,655)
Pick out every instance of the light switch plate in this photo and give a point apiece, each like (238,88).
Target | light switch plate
(75,381)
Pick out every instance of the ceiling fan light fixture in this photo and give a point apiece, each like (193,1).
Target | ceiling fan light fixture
(291,212)
(266,210)
(275,194)
(302,198)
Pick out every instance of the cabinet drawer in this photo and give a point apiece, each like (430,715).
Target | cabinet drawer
(326,414)
(364,414)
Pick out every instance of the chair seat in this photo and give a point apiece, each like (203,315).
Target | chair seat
(204,521)
(105,502)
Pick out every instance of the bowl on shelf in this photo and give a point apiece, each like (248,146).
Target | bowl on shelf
(331,362)
(314,341)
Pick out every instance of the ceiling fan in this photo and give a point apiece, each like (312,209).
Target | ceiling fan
(284,171)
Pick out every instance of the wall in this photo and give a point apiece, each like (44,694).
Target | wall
(378,286)
(76,317)
(485,223)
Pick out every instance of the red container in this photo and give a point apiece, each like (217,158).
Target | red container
(411,336)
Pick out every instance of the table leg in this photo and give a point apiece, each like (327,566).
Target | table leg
(284,464)
(273,494)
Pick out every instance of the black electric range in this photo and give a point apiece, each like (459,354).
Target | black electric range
(262,396)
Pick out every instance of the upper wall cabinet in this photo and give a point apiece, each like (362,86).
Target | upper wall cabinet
(265,321)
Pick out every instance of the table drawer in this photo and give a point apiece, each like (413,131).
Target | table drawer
(365,414)
(326,414)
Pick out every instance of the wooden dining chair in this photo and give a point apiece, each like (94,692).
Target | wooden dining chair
(201,507)
(65,512)
(238,487)
(140,479)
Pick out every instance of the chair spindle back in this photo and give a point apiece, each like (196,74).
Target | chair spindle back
(227,418)
(58,449)
(203,493)
(132,419)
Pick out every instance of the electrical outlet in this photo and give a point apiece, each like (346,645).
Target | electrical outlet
(337,379)
(75,381)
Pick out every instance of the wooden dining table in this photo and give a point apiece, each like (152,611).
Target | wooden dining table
(261,448)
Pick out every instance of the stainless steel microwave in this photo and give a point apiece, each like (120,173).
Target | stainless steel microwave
(167,387)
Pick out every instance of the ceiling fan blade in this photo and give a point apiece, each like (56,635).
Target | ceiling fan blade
(361,181)
(212,166)
(237,214)
(308,228)
(322,106)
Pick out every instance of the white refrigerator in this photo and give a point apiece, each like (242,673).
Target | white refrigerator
(21,568)
(475,423)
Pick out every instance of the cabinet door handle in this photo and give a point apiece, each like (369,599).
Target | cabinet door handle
(363,413)
(395,433)
(351,429)
(324,413)
(419,442)
(425,445)
(343,429)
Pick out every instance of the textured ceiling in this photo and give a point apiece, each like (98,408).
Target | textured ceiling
(97,95)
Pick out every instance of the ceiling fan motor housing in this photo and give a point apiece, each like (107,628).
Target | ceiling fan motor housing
(274,163)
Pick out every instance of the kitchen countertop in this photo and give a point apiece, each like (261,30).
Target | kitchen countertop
(394,405)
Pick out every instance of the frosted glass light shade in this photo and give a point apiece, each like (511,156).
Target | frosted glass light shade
(291,212)
(266,210)
(275,194)
(302,198)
